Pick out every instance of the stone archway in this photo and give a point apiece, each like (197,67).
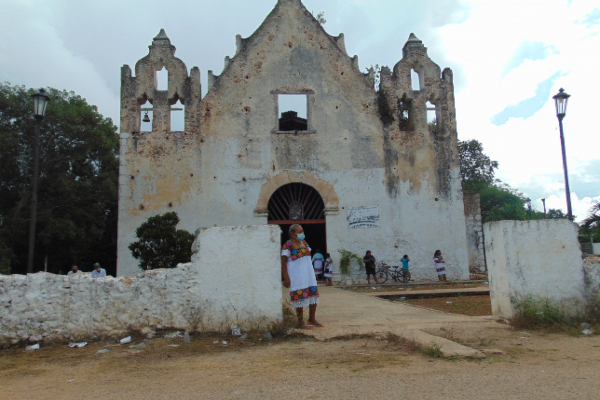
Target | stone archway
(324,189)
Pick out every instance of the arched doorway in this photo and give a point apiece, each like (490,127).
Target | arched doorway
(297,203)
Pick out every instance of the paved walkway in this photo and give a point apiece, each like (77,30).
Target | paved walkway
(345,312)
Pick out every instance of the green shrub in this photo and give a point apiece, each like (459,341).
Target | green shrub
(161,244)
(347,256)
(533,312)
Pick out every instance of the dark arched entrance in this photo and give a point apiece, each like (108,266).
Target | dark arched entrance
(297,203)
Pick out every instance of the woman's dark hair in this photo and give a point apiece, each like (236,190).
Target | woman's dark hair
(405,256)
(437,252)
(327,255)
(367,253)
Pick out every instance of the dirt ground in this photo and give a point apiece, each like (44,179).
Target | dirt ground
(466,305)
(411,287)
(353,357)
(532,366)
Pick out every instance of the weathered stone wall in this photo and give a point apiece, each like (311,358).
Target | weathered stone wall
(222,170)
(535,258)
(591,266)
(234,275)
(474,224)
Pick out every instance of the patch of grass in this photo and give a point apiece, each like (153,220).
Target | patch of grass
(536,313)
(432,350)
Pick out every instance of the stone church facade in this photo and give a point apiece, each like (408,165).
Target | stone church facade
(359,168)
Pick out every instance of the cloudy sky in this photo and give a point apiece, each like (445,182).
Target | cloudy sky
(509,58)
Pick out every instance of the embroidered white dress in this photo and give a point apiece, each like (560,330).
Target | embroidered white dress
(440,266)
(303,284)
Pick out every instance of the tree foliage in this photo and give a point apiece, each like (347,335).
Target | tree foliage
(77,187)
(477,169)
(591,224)
(161,244)
(499,202)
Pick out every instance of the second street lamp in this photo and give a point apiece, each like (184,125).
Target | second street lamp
(560,100)
(40,103)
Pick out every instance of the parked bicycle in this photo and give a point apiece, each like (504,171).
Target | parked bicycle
(384,272)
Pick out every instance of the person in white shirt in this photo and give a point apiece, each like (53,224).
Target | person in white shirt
(74,270)
(98,272)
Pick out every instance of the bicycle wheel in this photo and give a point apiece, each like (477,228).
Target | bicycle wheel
(381,276)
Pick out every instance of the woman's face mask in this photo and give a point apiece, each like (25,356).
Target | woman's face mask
(301,236)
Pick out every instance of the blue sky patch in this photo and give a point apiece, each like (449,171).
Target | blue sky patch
(591,19)
(528,50)
(528,107)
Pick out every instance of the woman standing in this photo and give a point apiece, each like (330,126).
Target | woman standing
(328,269)
(369,261)
(317,261)
(440,265)
(299,277)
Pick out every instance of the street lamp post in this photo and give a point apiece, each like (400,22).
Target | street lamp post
(544,203)
(40,103)
(560,100)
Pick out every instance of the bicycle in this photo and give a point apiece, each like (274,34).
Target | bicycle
(385,271)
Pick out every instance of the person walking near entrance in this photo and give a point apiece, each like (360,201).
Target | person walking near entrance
(440,265)
(317,261)
(299,277)
(370,267)
(328,269)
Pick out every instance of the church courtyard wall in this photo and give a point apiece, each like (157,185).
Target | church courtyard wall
(234,275)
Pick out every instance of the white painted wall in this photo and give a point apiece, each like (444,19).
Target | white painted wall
(234,275)
(538,258)
(596,248)
(404,229)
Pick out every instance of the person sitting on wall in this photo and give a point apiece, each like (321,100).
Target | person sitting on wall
(370,267)
(74,270)
(440,265)
(317,261)
(98,272)
(299,277)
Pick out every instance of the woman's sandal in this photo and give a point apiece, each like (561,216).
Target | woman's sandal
(305,326)
(316,323)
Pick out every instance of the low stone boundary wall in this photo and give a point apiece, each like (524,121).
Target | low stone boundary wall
(540,258)
(235,274)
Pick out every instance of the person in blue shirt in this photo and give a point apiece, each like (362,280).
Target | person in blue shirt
(405,273)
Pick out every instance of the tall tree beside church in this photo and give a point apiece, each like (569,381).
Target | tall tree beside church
(77,188)
(498,200)
(476,168)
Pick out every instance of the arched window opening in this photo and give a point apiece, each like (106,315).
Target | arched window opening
(404,114)
(431,113)
(415,80)
(296,202)
(178,117)
(432,121)
(146,115)
(162,79)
